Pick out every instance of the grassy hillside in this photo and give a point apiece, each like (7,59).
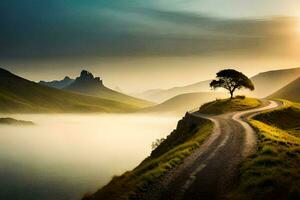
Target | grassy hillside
(273,172)
(184,102)
(229,105)
(189,134)
(161,95)
(20,95)
(290,92)
(269,82)
(107,93)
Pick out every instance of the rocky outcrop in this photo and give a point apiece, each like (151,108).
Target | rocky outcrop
(88,78)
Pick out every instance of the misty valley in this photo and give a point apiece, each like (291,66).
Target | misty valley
(64,156)
(149,100)
(84,140)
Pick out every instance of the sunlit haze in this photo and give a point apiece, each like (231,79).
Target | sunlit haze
(135,45)
(149,99)
(65,156)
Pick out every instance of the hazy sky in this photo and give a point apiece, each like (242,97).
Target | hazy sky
(146,44)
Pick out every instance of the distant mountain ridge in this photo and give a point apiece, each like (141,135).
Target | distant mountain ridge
(87,84)
(269,82)
(161,95)
(265,84)
(184,102)
(59,84)
(18,95)
(290,92)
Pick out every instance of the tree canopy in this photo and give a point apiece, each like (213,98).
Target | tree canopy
(231,80)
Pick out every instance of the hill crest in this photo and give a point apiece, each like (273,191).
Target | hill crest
(289,92)
(18,95)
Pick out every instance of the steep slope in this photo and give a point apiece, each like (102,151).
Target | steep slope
(269,82)
(160,95)
(20,95)
(189,134)
(87,84)
(290,92)
(184,102)
(58,84)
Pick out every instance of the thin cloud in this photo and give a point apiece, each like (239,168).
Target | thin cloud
(121,29)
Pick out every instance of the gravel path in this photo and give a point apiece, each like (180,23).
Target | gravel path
(211,171)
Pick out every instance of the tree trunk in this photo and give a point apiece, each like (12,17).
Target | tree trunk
(231,94)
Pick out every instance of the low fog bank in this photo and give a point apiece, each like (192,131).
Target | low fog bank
(63,156)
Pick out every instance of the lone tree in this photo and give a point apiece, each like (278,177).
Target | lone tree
(231,80)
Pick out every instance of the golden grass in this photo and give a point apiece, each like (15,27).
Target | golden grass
(229,105)
(273,172)
(275,134)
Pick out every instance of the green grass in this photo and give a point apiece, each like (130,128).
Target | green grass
(273,172)
(229,105)
(284,118)
(20,95)
(189,135)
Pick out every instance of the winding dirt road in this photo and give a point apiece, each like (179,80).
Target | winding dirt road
(211,171)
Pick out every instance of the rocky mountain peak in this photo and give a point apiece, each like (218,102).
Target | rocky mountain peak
(86,75)
(88,78)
